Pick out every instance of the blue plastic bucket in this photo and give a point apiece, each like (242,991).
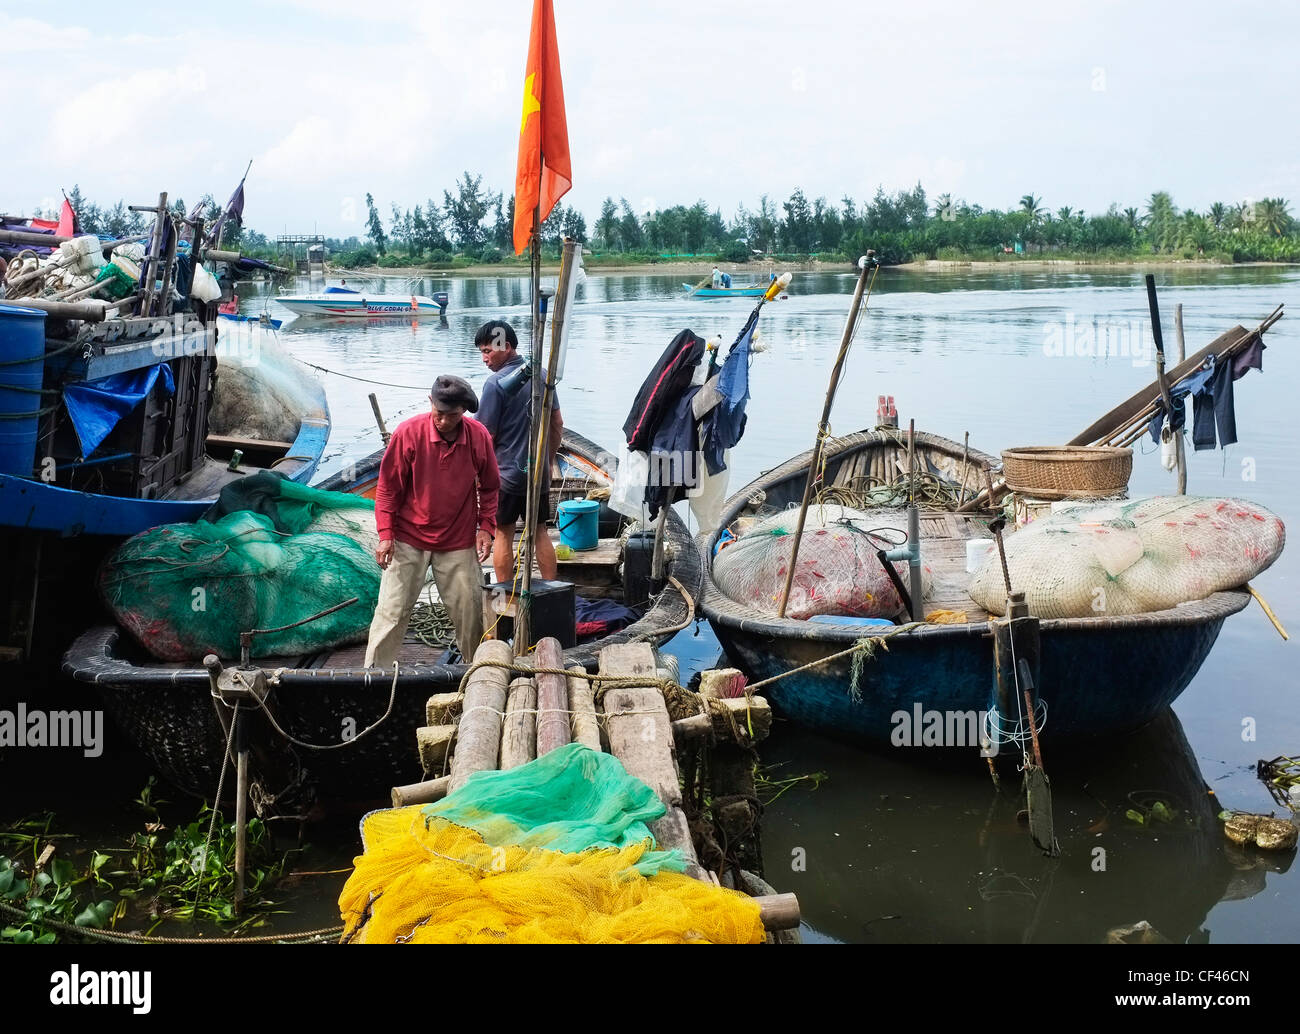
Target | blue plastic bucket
(22,366)
(579,523)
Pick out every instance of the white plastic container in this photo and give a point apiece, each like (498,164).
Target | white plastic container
(976,552)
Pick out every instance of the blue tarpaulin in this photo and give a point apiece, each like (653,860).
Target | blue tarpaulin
(96,406)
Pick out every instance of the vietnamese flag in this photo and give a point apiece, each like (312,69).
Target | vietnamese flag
(544,174)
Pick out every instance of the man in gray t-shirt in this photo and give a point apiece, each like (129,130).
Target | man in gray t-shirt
(506,416)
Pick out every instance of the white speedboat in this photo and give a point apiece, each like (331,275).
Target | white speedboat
(334,302)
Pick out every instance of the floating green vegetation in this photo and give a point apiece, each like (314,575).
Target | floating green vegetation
(771,787)
(185,873)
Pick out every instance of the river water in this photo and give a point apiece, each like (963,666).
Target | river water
(890,846)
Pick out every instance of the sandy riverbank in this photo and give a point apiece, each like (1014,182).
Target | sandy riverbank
(758,272)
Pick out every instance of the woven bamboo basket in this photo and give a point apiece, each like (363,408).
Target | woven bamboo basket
(1067,471)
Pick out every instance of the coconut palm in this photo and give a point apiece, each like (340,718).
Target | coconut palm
(1064,212)
(1162,221)
(1032,207)
(1217,214)
(1271,215)
(1133,219)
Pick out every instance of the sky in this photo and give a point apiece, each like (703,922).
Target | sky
(1080,103)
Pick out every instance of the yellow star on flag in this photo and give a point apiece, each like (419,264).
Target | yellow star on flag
(531,103)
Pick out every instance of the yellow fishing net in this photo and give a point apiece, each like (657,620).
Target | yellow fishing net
(472,868)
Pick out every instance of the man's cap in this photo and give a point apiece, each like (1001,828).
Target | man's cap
(451,392)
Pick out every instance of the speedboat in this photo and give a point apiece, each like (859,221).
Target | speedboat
(334,302)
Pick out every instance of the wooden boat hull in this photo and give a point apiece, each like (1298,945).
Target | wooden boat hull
(1099,676)
(166,709)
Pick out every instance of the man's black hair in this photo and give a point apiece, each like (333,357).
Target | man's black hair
(492,331)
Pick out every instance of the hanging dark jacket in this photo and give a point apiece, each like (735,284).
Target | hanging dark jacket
(670,377)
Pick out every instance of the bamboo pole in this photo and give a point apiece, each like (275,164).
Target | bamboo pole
(1181,444)
(384,433)
(869,268)
(148,272)
(523,610)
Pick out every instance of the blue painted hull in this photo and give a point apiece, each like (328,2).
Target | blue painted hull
(726,292)
(1096,682)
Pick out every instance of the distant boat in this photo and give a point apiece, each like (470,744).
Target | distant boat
(343,301)
(263,319)
(750,291)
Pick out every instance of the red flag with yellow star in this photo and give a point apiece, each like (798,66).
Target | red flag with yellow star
(544,174)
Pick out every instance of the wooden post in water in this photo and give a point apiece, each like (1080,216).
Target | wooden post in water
(868,266)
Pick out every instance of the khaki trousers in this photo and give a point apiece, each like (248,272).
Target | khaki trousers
(459,578)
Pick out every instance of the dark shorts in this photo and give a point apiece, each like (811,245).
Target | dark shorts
(511,507)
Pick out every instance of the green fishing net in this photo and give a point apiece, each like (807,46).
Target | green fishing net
(186,590)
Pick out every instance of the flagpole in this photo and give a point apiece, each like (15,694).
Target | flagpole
(523,609)
(222,232)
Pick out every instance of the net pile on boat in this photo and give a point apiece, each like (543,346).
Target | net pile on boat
(554,851)
(837,571)
(1116,559)
(186,590)
(261,391)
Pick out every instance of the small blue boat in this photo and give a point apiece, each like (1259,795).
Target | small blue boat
(751,291)
(1099,676)
(261,320)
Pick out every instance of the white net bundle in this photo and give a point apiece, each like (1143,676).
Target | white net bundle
(262,391)
(837,571)
(355,523)
(1113,559)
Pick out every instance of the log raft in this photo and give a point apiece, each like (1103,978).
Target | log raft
(506,718)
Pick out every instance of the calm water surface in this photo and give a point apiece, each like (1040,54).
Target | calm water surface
(890,847)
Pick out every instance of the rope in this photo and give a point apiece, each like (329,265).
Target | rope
(392,697)
(39,358)
(860,647)
(366,380)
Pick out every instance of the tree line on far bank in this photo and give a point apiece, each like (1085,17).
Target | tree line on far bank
(473,224)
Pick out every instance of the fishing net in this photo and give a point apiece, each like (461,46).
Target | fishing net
(261,391)
(295,509)
(1113,559)
(554,851)
(185,590)
(837,572)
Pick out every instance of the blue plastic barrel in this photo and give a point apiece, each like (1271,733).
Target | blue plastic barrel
(22,365)
(579,523)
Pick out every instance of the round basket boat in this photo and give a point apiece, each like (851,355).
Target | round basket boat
(1067,471)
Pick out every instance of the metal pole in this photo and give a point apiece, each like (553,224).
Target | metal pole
(868,265)
(1181,443)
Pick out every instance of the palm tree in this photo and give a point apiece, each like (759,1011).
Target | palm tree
(1217,214)
(1272,215)
(1133,219)
(1064,212)
(1162,221)
(1032,207)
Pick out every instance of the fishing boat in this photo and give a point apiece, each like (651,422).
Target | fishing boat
(1100,676)
(748,291)
(166,708)
(344,302)
(262,319)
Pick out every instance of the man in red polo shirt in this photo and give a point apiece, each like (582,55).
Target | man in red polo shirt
(435,506)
